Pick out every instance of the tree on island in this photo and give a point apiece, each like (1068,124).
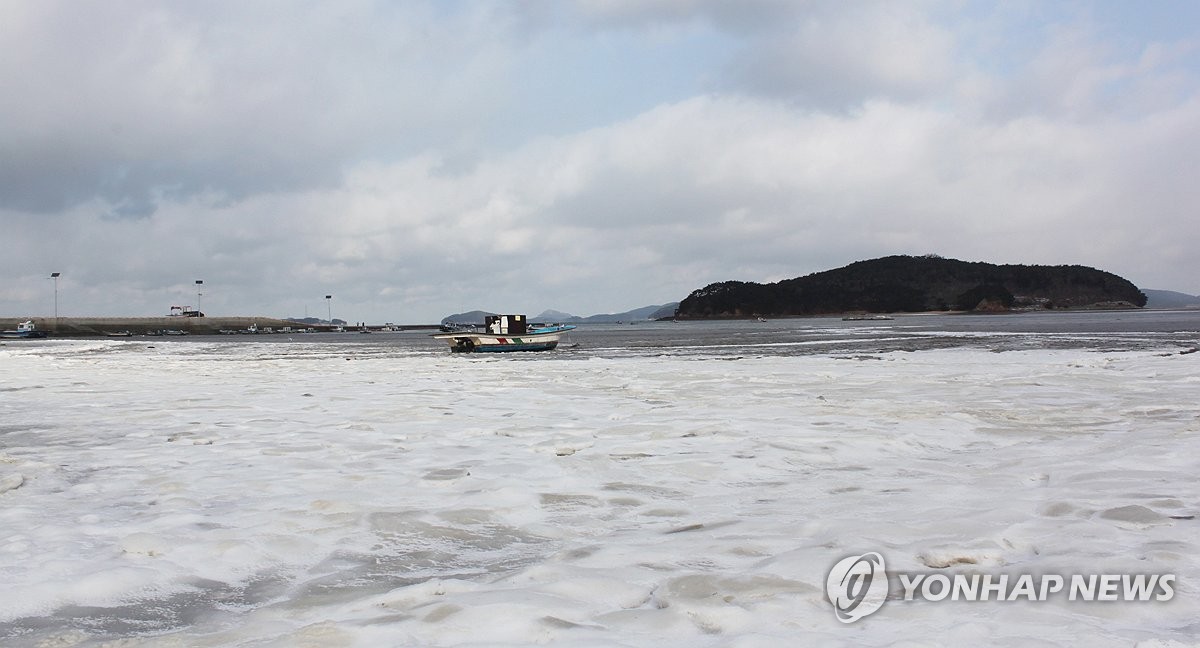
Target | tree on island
(914,284)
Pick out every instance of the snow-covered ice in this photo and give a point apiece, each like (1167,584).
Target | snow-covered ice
(313,492)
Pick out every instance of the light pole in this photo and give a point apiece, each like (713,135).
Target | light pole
(199,284)
(329,308)
(55,276)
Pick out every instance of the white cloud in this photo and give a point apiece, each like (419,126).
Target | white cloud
(835,56)
(295,151)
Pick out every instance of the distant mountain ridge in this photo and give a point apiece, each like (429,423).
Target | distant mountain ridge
(469,317)
(915,284)
(638,314)
(1170,299)
(554,316)
(644,313)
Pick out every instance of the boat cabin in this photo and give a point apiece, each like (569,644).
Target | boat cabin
(506,324)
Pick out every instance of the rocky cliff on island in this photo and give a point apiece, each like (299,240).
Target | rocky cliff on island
(898,284)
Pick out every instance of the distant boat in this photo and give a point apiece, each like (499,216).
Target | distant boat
(866,318)
(120,334)
(24,330)
(503,333)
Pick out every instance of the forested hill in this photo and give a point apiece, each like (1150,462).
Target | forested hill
(913,284)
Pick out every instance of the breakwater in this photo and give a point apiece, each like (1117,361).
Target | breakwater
(85,326)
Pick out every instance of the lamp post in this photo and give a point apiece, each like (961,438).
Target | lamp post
(329,308)
(55,276)
(199,284)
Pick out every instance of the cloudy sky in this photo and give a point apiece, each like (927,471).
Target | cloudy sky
(417,159)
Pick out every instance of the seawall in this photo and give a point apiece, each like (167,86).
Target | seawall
(79,326)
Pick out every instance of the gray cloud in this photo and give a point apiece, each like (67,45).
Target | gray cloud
(133,101)
(402,158)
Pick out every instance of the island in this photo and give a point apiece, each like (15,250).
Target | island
(908,284)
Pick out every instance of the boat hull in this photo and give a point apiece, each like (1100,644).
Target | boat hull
(468,342)
(22,335)
(519,346)
(13,335)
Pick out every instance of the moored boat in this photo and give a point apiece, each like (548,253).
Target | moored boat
(24,330)
(503,333)
(455,327)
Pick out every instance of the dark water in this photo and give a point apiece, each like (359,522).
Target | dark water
(1098,330)
(1168,331)
(1102,331)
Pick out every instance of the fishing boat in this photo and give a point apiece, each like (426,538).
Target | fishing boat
(24,330)
(502,333)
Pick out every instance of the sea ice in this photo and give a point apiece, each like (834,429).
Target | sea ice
(275,494)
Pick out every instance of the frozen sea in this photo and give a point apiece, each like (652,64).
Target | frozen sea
(658,485)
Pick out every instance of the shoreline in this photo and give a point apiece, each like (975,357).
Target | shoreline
(103,326)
